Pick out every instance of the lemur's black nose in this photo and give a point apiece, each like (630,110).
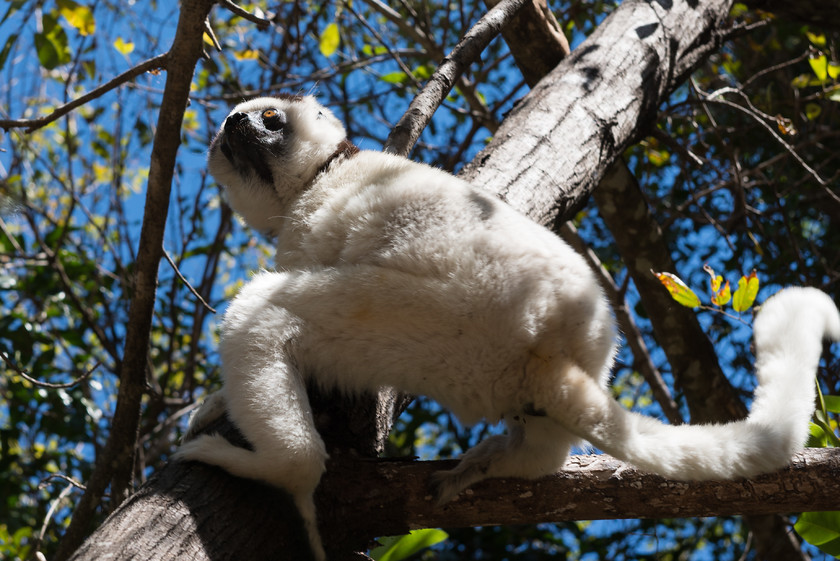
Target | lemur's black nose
(234,120)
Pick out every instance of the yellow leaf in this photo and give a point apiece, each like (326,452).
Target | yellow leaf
(833,70)
(247,54)
(123,47)
(720,295)
(820,67)
(746,293)
(678,289)
(329,40)
(80,17)
(817,39)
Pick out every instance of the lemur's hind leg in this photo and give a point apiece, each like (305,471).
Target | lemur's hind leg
(288,451)
(532,447)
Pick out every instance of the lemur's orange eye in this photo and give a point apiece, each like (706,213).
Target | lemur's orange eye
(273,119)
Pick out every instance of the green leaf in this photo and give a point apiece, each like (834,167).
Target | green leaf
(816,437)
(812,111)
(80,17)
(124,47)
(329,40)
(51,44)
(817,39)
(801,81)
(658,158)
(832,403)
(401,547)
(830,439)
(394,78)
(821,529)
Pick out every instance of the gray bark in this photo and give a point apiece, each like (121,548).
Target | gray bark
(557,143)
(198,512)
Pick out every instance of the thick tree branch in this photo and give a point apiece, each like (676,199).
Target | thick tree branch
(557,143)
(395,497)
(535,39)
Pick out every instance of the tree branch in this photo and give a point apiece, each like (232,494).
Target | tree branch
(576,121)
(158,62)
(115,463)
(262,23)
(395,497)
(408,129)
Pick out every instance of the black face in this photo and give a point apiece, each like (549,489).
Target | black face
(250,140)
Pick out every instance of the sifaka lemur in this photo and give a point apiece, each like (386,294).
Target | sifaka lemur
(390,273)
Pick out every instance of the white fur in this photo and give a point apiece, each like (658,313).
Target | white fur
(391,273)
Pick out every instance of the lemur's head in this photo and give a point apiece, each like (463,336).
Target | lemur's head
(268,150)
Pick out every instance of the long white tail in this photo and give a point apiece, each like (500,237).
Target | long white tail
(788,337)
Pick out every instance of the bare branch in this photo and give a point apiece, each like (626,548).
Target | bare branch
(434,51)
(157,62)
(761,119)
(262,23)
(22,373)
(186,282)
(408,129)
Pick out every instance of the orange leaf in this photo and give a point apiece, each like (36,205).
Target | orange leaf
(678,289)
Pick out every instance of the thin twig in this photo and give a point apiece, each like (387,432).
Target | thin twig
(22,373)
(63,477)
(186,282)
(34,124)
(51,512)
(208,29)
(393,54)
(262,23)
(716,97)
